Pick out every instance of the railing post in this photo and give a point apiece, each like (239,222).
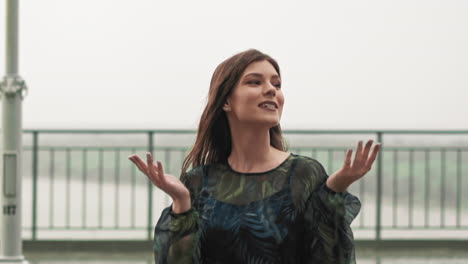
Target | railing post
(150,189)
(378,222)
(34,184)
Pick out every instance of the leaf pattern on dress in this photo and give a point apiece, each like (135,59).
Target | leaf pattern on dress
(285,215)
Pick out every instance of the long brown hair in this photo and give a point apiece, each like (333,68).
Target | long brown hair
(213,142)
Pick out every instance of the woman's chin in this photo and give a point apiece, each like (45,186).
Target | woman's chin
(270,122)
(263,122)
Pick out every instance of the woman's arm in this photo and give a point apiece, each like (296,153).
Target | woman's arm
(327,217)
(176,235)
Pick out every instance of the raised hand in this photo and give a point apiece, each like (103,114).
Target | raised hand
(166,182)
(344,177)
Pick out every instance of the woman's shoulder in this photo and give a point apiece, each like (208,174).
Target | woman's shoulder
(199,171)
(308,175)
(195,170)
(193,176)
(309,167)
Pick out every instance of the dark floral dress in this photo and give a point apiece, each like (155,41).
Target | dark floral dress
(284,215)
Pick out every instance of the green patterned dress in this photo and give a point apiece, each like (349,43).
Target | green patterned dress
(284,215)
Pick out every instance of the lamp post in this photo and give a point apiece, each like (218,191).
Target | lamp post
(11,93)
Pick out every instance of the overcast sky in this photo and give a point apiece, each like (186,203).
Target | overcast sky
(366,64)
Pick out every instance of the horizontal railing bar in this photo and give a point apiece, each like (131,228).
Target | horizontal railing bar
(425,228)
(321,148)
(289,131)
(78,228)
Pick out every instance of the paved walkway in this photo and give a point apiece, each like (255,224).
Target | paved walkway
(364,256)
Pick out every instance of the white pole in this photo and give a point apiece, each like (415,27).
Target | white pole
(11,92)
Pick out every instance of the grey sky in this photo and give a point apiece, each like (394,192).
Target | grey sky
(399,64)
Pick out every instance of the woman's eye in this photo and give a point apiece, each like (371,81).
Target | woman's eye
(254,82)
(259,82)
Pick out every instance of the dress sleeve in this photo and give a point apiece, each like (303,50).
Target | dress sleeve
(327,217)
(176,235)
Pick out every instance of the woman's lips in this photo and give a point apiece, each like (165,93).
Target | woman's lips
(269,109)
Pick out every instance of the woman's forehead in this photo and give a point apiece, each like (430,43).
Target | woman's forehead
(260,68)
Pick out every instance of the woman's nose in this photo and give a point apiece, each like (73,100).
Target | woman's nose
(271,89)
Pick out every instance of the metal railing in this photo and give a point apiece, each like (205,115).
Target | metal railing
(395,179)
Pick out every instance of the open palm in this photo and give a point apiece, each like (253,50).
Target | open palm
(166,182)
(344,177)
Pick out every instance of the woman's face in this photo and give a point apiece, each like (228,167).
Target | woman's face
(259,82)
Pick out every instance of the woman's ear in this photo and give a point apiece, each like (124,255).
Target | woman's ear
(226,106)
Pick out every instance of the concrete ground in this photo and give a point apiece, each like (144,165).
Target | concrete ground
(139,252)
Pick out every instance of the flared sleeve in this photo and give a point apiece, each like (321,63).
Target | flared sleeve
(176,236)
(327,217)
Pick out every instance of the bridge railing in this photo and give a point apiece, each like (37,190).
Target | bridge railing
(80,183)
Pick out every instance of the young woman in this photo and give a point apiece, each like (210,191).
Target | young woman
(246,199)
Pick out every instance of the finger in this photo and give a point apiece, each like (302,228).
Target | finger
(156,171)
(347,162)
(142,165)
(359,148)
(151,170)
(365,154)
(162,178)
(358,157)
(373,156)
(143,168)
(137,161)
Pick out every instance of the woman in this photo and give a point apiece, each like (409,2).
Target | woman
(246,199)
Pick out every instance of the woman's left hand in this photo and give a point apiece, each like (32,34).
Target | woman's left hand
(344,177)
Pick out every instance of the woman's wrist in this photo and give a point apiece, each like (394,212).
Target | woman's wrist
(334,186)
(181,205)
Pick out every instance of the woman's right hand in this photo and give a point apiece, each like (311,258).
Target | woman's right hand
(166,182)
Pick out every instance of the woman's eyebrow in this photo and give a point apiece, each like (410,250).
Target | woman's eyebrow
(256,74)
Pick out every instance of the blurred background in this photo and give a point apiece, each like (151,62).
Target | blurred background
(107,79)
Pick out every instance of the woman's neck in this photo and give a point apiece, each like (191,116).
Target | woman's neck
(251,150)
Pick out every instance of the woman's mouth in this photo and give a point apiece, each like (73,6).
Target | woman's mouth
(272,109)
